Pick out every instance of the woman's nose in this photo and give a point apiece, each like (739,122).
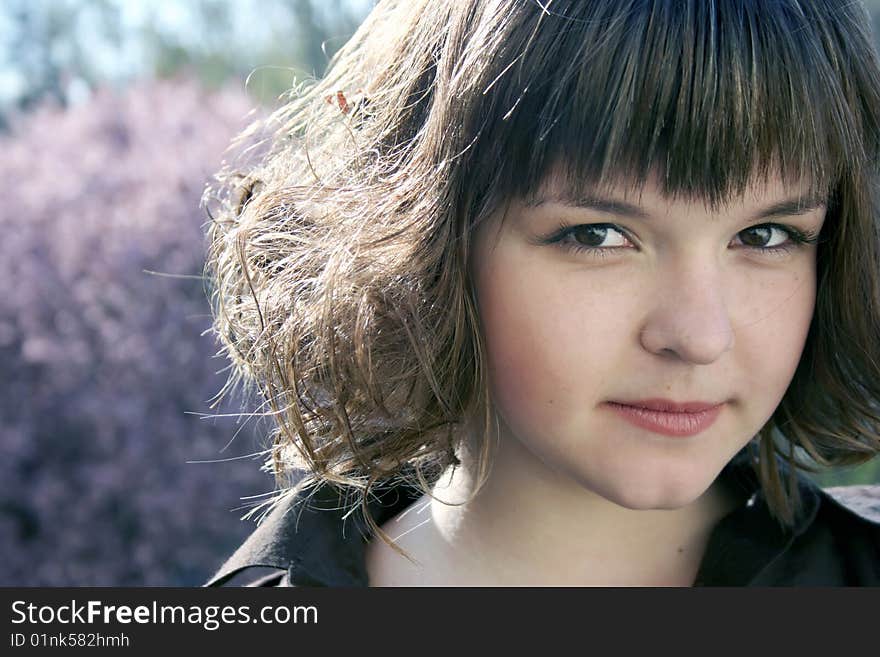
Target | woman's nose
(688,317)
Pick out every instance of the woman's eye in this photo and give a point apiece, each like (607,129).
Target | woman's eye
(594,238)
(596,235)
(765,236)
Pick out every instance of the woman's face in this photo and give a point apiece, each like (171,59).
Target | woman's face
(673,302)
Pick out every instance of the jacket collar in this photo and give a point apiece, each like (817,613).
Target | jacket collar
(747,540)
(314,538)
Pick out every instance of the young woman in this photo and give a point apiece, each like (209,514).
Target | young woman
(565,293)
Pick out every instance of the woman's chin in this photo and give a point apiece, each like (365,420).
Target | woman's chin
(654,494)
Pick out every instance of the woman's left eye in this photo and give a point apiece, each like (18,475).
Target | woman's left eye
(766,236)
(776,239)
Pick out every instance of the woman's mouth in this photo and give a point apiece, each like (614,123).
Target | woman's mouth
(681,419)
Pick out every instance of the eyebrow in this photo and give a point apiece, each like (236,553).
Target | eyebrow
(791,207)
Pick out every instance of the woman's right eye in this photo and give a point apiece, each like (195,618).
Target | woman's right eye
(595,239)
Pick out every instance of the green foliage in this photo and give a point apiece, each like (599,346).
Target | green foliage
(867,473)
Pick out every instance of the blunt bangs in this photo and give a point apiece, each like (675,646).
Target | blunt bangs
(709,95)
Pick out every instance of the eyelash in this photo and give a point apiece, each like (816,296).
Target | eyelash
(797,239)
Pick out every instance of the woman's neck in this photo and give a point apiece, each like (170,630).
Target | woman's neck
(531,525)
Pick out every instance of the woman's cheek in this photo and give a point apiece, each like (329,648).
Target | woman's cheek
(515,348)
(541,341)
(771,341)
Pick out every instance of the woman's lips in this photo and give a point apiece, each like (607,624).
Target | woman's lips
(665,422)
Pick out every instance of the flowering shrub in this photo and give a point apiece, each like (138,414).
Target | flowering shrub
(104,367)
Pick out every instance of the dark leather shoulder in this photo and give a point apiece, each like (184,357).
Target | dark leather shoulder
(311,538)
(862,501)
(273,579)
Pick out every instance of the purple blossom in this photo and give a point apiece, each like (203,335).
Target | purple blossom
(104,367)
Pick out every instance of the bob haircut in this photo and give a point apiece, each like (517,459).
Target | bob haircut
(338,255)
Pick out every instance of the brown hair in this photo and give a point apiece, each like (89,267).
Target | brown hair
(339,254)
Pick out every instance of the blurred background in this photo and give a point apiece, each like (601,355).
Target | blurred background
(113,115)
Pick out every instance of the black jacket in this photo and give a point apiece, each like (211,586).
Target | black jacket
(834,542)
